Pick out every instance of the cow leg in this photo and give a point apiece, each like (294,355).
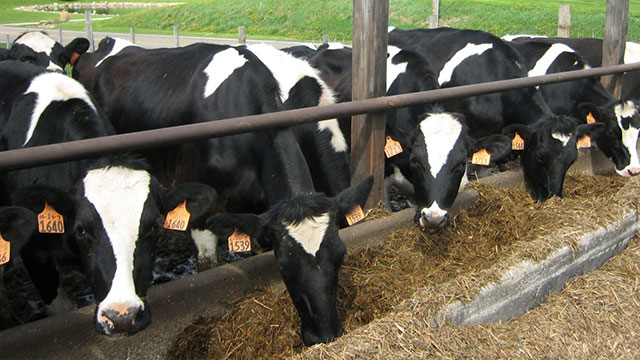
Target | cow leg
(207,244)
(45,276)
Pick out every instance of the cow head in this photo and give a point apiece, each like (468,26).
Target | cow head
(303,233)
(435,160)
(620,136)
(38,48)
(550,147)
(114,215)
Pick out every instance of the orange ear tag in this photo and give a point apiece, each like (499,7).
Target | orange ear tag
(517,143)
(356,214)
(392,147)
(481,157)
(178,218)
(5,251)
(239,242)
(584,142)
(50,221)
(591,119)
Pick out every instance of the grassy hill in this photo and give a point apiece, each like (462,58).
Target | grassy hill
(309,20)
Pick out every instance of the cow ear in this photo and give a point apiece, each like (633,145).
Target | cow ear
(355,195)
(33,197)
(592,130)
(200,198)
(75,48)
(586,108)
(16,225)
(498,146)
(223,225)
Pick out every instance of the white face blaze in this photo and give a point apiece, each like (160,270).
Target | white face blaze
(393,70)
(563,138)
(288,70)
(118,45)
(207,243)
(629,136)
(440,131)
(309,232)
(118,194)
(221,67)
(50,87)
(39,42)
(470,50)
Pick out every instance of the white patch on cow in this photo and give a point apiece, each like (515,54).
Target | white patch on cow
(564,139)
(288,70)
(629,136)
(61,304)
(51,87)
(309,232)
(222,65)
(393,70)
(440,131)
(390,28)
(335,46)
(39,42)
(118,45)
(468,51)
(631,52)
(207,244)
(464,181)
(545,61)
(400,182)
(118,194)
(509,37)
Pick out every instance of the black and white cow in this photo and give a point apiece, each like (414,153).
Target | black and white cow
(462,57)
(112,206)
(303,232)
(436,145)
(38,48)
(578,98)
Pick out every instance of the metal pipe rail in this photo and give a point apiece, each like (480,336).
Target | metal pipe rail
(73,150)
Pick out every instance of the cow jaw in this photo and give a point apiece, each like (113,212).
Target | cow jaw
(118,194)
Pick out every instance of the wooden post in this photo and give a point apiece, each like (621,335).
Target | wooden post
(8,42)
(370,26)
(176,36)
(325,39)
(242,35)
(435,14)
(89,27)
(60,36)
(564,21)
(614,43)
(132,34)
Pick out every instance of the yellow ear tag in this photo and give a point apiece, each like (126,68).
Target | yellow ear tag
(392,147)
(178,218)
(481,157)
(356,214)
(584,142)
(239,242)
(517,143)
(50,221)
(5,251)
(591,119)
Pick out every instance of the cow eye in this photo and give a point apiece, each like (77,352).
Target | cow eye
(80,231)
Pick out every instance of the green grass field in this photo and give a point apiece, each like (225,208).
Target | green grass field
(309,20)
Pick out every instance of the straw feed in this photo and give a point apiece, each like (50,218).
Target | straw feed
(497,231)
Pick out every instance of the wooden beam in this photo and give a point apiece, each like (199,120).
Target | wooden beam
(613,46)
(370,35)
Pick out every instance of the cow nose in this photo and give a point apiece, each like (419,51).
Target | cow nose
(120,319)
(310,338)
(633,171)
(433,219)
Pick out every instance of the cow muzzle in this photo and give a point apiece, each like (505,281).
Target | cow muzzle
(629,171)
(427,218)
(122,319)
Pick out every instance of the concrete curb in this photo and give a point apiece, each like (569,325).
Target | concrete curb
(529,284)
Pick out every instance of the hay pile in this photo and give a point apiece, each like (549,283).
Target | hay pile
(374,282)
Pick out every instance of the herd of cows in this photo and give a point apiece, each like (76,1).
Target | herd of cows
(287,188)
